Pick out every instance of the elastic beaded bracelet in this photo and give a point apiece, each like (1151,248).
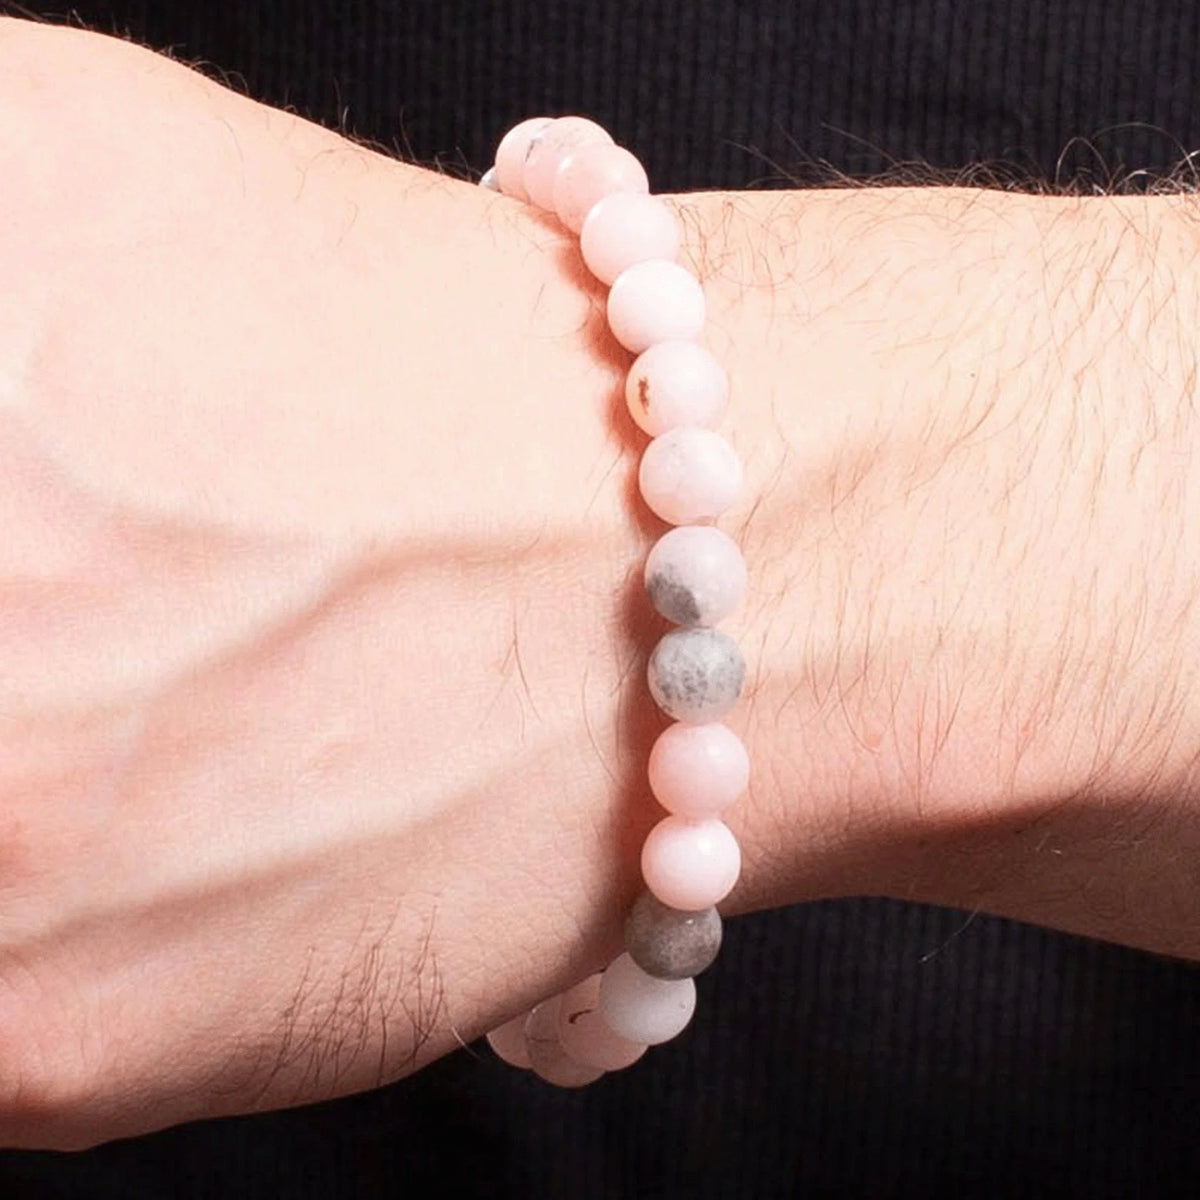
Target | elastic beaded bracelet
(695,576)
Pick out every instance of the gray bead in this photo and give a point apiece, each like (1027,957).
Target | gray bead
(670,944)
(672,597)
(696,675)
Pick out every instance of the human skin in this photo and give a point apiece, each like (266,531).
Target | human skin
(324,725)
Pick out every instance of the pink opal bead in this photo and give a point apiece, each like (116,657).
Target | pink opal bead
(589,174)
(508,1042)
(698,771)
(641,1008)
(586,1037)
(695,575)
(511,154)
(627,228)
(691,864)
(689,474)
(655,301)
(546,1054)
(676,383)
(549,148)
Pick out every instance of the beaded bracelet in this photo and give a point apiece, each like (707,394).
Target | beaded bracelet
(694,576)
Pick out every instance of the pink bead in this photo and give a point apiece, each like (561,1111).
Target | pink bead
(546,1055)
(589,174)
(695,575)
(676,383)
(508,1042)
(655,301)
(689,474)
(641,1008)
(510,156)
(585,1037)
(691,864)
(627,228)
(698,771)
(549,148)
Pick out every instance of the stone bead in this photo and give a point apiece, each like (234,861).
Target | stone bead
(508,1042)
(511,155)
(549,147)
(695,575)
(589,174)
(627,228)
(669,944)
(688,475)
(546,1055)
(698,771)
(696,675)
(690,865)
(655,301)
(584,1035)
(641,1008)
(676,383)
(488,180)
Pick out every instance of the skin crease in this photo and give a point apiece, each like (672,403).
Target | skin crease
(323,711)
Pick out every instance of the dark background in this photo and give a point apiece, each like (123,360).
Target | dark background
(862,1048)
(714,93)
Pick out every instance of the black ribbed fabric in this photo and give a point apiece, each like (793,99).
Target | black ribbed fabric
(721,93)
(852,1049)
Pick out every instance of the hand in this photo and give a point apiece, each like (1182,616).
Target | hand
(313,606)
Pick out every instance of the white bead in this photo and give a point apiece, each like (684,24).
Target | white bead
(689,474)
(641,1008)
(655,301)
(546,1055)
(584,1034)
(549,148)
(511,155)
(508,1042)
(676,383)
(589,174)
(695,575)
(624,229)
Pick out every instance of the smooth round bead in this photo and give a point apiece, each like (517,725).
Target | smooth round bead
(641,1008)
(624,229)
(549,148)
(695,575)
(546,1055)
(655,301)
(589,174)
(488,180)
(511,154)
(668,943)
(676,383)
(689,474)
(696,675)
(508,1042)
(584,1035)
(691,864)
(698,771)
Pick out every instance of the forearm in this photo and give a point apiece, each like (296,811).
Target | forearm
(969,430)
